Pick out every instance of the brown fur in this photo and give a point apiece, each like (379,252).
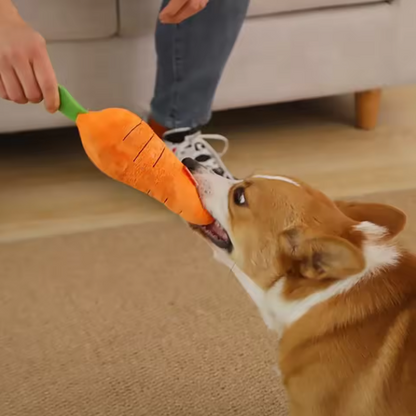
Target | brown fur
(354,354)
(278,216)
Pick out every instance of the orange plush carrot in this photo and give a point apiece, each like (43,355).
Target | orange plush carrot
(125,148)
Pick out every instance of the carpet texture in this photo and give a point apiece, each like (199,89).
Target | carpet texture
(135,321)
(129,321)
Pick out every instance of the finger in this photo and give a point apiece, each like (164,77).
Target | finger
(11,83)
(191,8)
(3,93)
(181,16)
(27,78)
(46,79)
(172,8)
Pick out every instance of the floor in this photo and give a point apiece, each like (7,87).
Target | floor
(48,186)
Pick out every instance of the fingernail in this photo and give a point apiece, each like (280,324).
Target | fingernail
(50,109)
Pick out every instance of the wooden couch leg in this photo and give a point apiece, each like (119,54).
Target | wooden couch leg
(367,107)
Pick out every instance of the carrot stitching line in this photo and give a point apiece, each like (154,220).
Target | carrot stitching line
(166,200)
(131,131)
(161,154)
(138,154)
(148,192)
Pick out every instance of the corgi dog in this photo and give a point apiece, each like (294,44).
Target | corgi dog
(331,280)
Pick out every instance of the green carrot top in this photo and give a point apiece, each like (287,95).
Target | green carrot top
(69,107)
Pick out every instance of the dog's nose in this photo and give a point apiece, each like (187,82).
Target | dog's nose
(191,164)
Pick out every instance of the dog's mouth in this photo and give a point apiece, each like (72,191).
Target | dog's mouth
(215,233)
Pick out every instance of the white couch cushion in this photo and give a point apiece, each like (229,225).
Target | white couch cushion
(70,20)
(265,7)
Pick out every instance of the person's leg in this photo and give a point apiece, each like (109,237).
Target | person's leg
(191,57)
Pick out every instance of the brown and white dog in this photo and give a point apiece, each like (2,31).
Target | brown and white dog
(329,278)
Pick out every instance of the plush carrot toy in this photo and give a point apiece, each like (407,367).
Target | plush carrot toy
(125,148)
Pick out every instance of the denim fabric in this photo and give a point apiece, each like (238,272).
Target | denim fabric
(191,57)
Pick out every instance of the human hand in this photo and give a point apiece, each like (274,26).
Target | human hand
(178,10)
(26,72)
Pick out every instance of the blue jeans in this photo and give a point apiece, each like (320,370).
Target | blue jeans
(190,59)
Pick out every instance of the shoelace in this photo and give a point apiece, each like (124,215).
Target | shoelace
(190,145)
(215,161)
(217,137)
(202,138)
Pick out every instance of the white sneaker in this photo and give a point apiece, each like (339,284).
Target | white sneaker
(186,142)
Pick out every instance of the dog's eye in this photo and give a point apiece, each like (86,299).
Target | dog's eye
(239,197)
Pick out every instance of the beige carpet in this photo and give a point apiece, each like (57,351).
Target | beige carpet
(129,321)
(134,321)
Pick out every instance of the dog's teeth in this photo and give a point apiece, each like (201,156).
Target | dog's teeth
(215,231)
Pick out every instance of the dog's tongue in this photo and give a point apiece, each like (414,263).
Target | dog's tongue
(216,229)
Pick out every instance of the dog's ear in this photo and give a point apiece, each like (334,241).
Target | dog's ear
(321,257)
(386,216)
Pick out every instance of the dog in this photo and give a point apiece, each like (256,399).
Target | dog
(331,280)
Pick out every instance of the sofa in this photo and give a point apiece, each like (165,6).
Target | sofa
(103,52)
